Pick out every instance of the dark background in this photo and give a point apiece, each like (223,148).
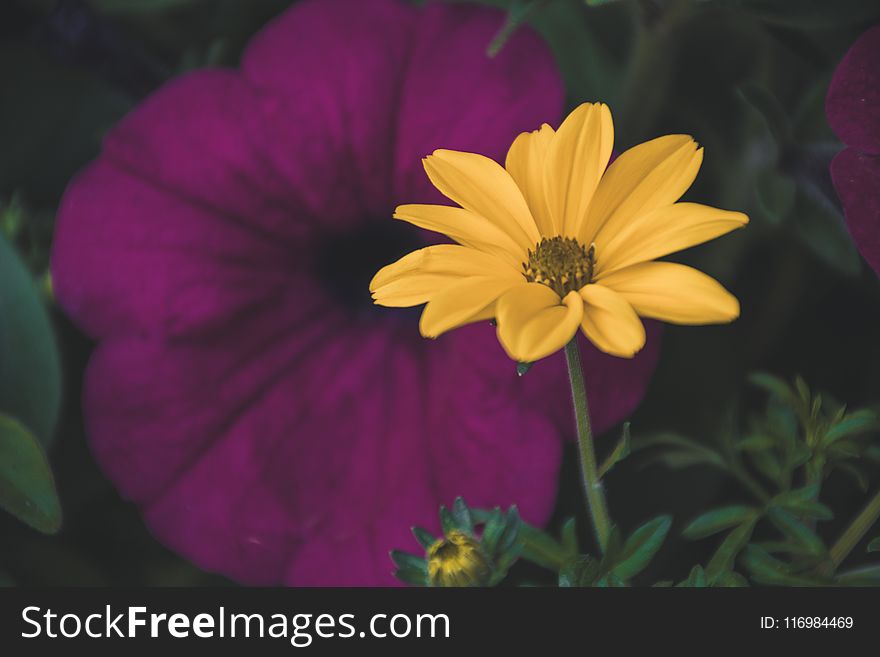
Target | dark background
(727,71)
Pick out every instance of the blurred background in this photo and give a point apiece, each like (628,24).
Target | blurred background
(747,78)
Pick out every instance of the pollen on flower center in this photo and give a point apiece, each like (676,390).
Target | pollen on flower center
(561,263)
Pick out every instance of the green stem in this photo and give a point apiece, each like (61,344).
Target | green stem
(592,484)
(856,531)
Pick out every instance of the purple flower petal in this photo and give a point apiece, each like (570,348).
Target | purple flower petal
(856,178)
(268,430)
(269,461)
(853,101)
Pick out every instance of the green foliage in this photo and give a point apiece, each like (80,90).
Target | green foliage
(718,520)
(30,376)
(27,489)
(801,436)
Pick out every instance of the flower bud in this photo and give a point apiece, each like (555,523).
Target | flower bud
(458,560)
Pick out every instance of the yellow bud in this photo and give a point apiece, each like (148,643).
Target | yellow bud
(458,560)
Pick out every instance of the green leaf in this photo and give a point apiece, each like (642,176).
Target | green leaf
(462,516)
(797,531)
(523,368)
(865,576)
(30,375)
(718,520)
(766,569)
(405,560)
(855,423)
(569,536)
(756,443)
(493,530)
(447,521)
(517,13)
(620,451)
(641,546)
(696,579)
(722,561)
(685,452)
(802,502)
(767,464)
(874,545)
(512,526)
(425,538)
(581,571)
(27,489)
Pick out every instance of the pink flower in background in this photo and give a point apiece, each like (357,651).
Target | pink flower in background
(853,110)
(271,424)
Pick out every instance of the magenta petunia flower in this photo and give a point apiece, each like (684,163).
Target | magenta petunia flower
(271,424)
(853,110)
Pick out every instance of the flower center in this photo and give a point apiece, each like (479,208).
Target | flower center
(345,262)
(457,560)
(561,263)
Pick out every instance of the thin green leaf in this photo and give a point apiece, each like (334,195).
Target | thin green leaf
(462,516)
(405,560)
(874,545)
(696,579)
(718,520)
(493,530)
(797,531)
(447,521)
(641,546)
(756,443)
(766,569)
(722,561)
(855,423)
(621,450)
(425,538)
(569,536)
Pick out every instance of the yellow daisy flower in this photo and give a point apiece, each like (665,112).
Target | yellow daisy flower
(555,241)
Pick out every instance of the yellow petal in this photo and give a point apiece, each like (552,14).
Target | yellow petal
(463,302)
(674,293)
(452,259)
(644,178)
(418,276)
(661,232)
(525,164)
(533,322)
(576,158)
(464,227)
(610,322)
(482,186)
